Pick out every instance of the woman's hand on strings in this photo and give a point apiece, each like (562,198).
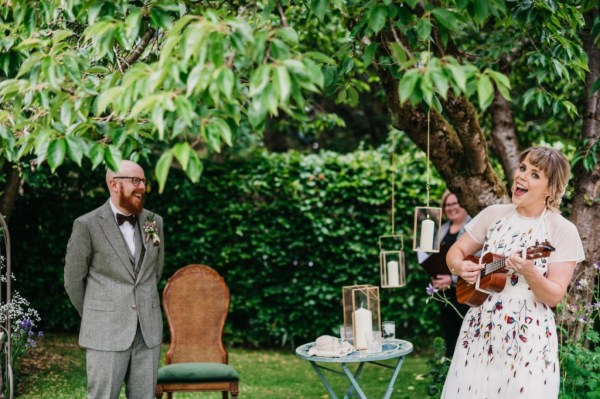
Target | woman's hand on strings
(518,263)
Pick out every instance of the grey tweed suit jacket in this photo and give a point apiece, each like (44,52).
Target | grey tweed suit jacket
(102,284)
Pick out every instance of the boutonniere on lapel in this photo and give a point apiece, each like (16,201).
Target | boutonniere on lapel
(151,230)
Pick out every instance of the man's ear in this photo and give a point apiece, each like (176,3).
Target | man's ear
(113,186)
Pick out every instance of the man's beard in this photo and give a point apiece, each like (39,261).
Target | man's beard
(127,202)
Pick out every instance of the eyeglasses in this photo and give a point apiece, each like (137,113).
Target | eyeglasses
(451,204)
(134,180)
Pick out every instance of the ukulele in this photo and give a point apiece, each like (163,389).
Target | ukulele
(493,275)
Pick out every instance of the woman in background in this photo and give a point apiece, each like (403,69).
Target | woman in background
(454,227)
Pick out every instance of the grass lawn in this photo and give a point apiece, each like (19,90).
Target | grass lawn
(56,370)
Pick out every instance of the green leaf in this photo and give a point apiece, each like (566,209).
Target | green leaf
(459,76)
(319,7)
(447,19)
(162,169)
(226,81)
(259,79)
(66,113)
(423,29)
(279,50)
(224,130)
(182,153)
(288,35)
(158,118)
(398,53)
(112,157)
(30,62)
(377,18)
(315,55)
(57,149)
(282,82)
(96,155)
(194,169)
(485,92)
(408,83)
(314,72)
(108,97)
(60,35)
(369,54)
(74,149)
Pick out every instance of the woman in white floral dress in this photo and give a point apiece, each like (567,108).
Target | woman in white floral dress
(508,346)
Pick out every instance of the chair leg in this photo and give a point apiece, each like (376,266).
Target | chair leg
(225,394)
(234,388)
(169,395)
(158,392)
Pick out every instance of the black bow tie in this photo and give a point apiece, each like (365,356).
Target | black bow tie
(122,219)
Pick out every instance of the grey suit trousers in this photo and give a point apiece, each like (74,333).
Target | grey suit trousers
(137,366)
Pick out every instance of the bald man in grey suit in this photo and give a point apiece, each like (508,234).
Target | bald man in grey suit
(112,267)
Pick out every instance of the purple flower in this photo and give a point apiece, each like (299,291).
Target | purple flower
(431,290)
(40,333)
(597,265)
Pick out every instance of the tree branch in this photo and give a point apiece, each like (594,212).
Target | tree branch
(139,49)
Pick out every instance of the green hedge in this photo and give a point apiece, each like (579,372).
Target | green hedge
(287,232)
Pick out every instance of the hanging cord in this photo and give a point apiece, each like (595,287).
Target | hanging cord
(393,179)
(428,125)
(428,114)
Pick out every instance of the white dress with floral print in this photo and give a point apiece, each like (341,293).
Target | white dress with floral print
(507,347)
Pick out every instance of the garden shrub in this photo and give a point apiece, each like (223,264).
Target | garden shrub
(287,231)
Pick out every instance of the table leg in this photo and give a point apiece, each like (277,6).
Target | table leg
(390,388)
(324,380)
(354,381)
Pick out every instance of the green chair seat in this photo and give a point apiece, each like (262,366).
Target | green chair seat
(197,372)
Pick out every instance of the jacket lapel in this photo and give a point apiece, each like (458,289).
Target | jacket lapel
(140,249)
(146,244)
(109,226)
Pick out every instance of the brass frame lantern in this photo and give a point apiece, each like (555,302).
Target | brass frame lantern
(361,312)
(428,220)
(391,263)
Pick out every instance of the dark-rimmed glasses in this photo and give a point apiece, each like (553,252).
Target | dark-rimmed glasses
(134,180)
(451,204)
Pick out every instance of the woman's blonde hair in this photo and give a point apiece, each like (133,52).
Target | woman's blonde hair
(555,166)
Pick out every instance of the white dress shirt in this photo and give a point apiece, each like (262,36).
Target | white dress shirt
(127,229)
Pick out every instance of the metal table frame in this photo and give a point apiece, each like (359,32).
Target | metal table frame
(392,349)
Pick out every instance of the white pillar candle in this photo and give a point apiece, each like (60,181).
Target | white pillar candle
(392,274)
(363,323)
(427,227)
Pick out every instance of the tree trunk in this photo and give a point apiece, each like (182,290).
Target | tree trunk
(458,149)
(11,189)
(586,202)
(504,139)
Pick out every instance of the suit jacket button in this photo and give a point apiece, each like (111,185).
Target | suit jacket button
(133,307)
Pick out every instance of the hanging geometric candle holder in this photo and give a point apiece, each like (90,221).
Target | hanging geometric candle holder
(391,255)
(426,229)
(427,219)
(391,262)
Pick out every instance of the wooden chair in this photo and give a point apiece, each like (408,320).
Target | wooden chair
(196,302)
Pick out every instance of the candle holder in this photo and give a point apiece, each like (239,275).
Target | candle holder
(428,221)
(391,263)
(361,313)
